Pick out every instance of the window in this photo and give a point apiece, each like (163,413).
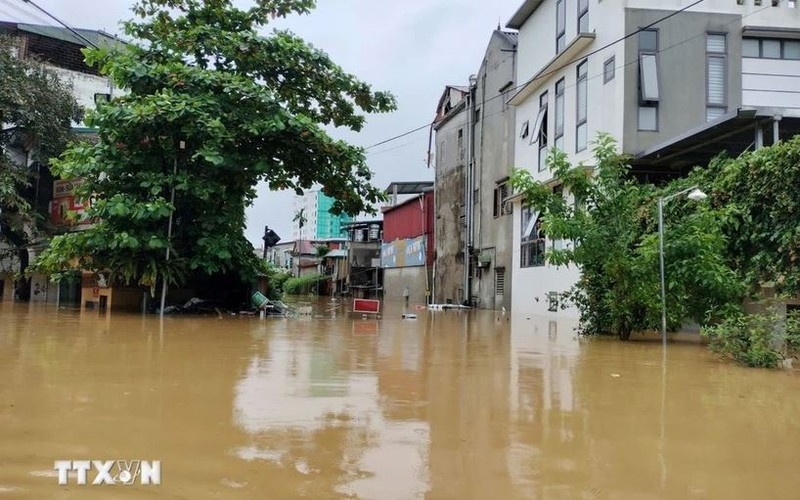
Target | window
(583,16)
(581,129)
(750,48)
(532,239)
(461,143)
(559,136)
(649,92)
(771,48)
(716,81)
(608,70)
(500,281)
(501,206)
(523,132)
(648,77)
(552,301)
(561,26)
(540,132)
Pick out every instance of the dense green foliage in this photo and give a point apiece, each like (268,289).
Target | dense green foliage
(302,285)
(758,193)
(613,231)
(36,114)
(212,108)
(759,340)
(276,278)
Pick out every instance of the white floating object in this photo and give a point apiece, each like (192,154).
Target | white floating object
(409,316)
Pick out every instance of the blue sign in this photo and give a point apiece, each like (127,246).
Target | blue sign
(407,252)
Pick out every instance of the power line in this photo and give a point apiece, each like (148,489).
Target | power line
(636,60)
(400,136)
(555,70)
(62,23)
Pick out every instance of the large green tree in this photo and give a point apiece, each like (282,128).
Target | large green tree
(212,106)
(36,114)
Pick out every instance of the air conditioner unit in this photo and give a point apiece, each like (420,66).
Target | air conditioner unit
(483,264)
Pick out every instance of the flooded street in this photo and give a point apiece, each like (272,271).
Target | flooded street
(450,405)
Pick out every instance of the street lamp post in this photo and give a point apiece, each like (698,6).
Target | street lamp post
(695,195)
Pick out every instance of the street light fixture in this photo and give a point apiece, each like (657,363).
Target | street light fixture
(695,194)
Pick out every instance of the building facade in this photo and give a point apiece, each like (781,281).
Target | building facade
(673,88)
(490,221)
(59,51)
(450,135)
(407,249)
(474,156)
(318,222)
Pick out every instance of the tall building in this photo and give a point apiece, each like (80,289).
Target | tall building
(319,223)
(673,86)
(474,157)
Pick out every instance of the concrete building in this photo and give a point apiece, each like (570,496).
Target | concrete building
(450,127)
(319,223)
(407,248)
(474,157)
(59,51)
(363,266)
(681,88)
(280,255)
(490,220)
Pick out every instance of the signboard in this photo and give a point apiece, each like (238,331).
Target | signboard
(370,306)
(66,209)
(408,252)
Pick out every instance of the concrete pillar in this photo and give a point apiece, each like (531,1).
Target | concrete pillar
(759,136)
(776,129)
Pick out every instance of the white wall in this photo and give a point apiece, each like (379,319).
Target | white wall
(771,83)
(752,15)
(84,86)
(604,113)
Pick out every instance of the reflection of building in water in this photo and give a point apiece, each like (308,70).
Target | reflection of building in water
(467,364)
(548,432)
(314,405)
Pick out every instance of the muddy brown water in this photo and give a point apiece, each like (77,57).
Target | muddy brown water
(449,405)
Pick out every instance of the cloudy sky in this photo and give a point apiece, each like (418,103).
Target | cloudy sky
(411,48)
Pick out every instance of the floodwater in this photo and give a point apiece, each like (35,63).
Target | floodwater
(449,405)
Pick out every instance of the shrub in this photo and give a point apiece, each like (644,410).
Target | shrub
(302,285)
(760,340)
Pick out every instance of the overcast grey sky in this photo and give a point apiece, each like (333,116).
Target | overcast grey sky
(412,48)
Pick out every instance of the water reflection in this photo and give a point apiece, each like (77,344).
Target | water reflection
(450,405)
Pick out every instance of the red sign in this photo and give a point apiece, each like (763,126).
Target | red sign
(66,209)
(369,306)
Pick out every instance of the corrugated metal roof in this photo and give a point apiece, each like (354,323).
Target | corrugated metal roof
(98,38)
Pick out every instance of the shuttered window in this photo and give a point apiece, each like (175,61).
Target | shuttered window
(716,81)
(500,281)
(581,131)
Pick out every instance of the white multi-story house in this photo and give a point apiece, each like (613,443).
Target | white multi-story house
(674,87)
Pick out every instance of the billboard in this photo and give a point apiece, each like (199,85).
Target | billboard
(407,252)
(66,209)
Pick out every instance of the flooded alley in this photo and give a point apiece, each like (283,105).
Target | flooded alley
(448,405)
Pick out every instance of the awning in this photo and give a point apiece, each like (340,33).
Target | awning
(733,133)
